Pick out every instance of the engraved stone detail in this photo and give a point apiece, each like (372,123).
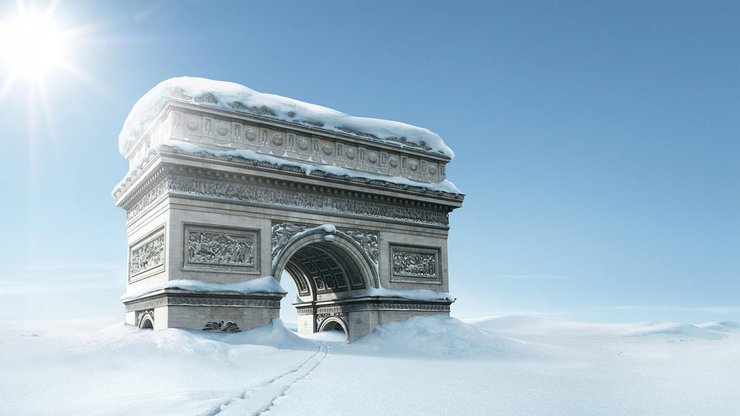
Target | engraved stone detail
(144,314)
(226,301)
(277,139)
(377,306)
(147,199)
(250,133)
(221,249)
(147,255)
(192,123)
(222,129)
(321,317)
(327,149)
(133,306)
(283,233)
(304,200)
(169,300)
(415,264)
(221,326)
(367,240)
(303,143)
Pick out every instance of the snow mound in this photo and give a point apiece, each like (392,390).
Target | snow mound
(673,329)
(234,97)
(195,342)
(503,323)
(723,326)
(439,336)
(526,326)
(274,334)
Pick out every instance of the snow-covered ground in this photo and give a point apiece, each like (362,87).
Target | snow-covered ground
(424,366)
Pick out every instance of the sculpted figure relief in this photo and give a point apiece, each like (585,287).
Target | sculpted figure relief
(220,248)
(412,264)
(147,256)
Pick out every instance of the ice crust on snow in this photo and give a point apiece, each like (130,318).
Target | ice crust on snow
(266,284)
(234,97)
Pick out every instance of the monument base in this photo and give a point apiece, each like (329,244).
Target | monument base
(175,308)
(358,317)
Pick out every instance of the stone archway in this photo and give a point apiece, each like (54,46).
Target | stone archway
(222,197)
(328,266)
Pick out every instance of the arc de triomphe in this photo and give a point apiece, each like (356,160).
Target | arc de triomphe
(228,188)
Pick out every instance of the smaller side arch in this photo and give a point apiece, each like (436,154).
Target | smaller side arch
(332,323)
(146,320)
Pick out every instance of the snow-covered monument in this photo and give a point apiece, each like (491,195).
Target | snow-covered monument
(229,188)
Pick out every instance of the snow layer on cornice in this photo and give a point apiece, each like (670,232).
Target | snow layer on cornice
(266,284)
(238,98)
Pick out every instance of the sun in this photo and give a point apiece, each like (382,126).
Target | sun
(32,47)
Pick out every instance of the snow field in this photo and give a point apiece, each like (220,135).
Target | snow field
(425,366)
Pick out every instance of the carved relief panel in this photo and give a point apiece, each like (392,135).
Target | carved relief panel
(147,256)
(220,249)
(410,264)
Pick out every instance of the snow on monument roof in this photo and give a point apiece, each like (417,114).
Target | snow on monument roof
(238,98)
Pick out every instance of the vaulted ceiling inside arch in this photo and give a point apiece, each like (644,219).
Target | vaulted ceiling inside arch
(325,267)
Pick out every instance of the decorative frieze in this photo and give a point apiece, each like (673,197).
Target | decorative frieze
(231,250)
(415,264)
(294,199)
(185,300)
(378,306)
(358,153)
(142,204)
(147,256)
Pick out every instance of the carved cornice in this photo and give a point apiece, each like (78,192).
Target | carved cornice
(373,305)
(194,299)
(131,177)
(263,192)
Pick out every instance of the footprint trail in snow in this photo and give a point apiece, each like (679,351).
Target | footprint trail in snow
(260,399)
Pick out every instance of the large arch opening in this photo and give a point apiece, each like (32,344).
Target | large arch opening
(324,269)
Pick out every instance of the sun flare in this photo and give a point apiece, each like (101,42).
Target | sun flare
(32,47)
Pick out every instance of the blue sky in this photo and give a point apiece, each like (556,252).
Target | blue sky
(597,142)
